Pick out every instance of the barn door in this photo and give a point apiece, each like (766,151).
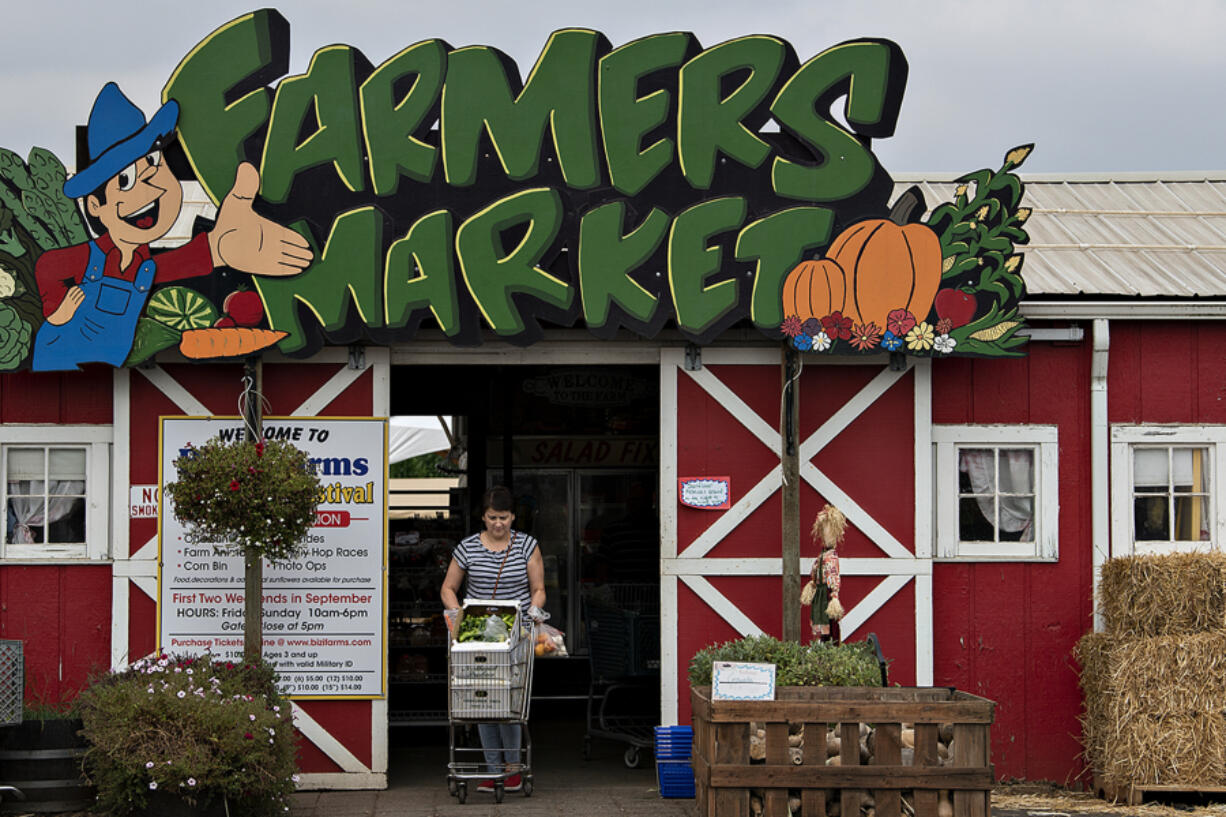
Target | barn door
(865,448)
(345,742)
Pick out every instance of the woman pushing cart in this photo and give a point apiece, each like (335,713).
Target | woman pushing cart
(490,680)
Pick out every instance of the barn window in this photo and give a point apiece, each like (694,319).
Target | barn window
(1164,488)
(56,496)
(996,495)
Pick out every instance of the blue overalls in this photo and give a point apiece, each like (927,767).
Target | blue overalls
(102,328)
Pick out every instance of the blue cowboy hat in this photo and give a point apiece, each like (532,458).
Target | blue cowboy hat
(117,136)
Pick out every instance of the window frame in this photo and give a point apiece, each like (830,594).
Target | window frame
(1125,439)
(96,440)
(1044,439)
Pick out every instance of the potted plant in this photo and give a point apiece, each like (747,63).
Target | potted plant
(187,735)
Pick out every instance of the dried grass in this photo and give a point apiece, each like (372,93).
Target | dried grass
(1173,594)
(1072,802)
(1155,680)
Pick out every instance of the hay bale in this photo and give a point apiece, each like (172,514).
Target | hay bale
(1172,594)
(1154,708)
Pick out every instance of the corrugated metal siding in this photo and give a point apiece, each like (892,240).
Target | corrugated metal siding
(1110,236)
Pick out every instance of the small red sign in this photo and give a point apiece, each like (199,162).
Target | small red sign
(705,493)
(332,519)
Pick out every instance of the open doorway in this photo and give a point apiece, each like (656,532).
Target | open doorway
(579,449)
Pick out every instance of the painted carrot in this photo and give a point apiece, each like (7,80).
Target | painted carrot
(234,341)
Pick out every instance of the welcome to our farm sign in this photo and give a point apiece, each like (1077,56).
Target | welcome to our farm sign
(630,187)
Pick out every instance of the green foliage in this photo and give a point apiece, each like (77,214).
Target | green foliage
(817,664)
(978,232)
(151,337)
(15,337)
(259,498)
(423,465)
(203,730)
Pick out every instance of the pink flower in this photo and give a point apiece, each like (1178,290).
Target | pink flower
(248,735)
(791,326)
(837,326)
(900,322)
(234,485)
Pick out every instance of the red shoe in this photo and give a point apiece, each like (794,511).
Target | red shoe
(486,786)
(514,783)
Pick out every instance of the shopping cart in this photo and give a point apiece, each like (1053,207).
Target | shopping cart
(623,637)
(488,683)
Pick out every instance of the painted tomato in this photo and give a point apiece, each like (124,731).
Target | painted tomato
(224,322)
(957,305)
(245,307)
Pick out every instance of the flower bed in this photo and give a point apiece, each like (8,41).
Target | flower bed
(201,730)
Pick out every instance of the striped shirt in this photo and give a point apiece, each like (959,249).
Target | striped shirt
(481,567)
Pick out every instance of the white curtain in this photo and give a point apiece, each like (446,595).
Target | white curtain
(1016,477)
(31,511)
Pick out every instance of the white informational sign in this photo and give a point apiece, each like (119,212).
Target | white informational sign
(738,681)
(143,502)
(325,612)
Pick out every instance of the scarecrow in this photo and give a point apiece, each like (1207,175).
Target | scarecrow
(822,591)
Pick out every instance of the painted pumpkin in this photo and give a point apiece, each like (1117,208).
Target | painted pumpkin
(888,267)
(814,289)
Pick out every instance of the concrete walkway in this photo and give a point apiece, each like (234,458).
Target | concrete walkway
(564,783)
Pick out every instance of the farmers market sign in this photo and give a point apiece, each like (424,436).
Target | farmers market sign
(653,184)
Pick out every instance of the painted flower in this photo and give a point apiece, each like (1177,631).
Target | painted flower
(865,336)
(8,285)
(790,326)
(837,326)
(944,325)
(921,336)
(944,344)
(234,485)
(900,322)
(803,342)
(890,341)
(822,342)
(811,326)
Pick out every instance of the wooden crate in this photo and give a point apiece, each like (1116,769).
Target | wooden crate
(724,774)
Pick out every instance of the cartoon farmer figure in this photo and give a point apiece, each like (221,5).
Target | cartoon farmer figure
(94,293)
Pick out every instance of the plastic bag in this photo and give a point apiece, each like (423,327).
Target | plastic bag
(550,642)
(450,615)
(495,629)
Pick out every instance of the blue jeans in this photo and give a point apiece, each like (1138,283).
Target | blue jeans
(501,743)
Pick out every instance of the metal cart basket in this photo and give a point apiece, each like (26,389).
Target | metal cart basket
(623,637)
(488,683)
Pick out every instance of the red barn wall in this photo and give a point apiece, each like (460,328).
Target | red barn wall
(1006,630)
(62,613)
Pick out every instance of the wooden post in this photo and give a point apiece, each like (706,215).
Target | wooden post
(790,459)
(253,563)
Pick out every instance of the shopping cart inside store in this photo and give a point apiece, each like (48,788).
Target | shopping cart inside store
(623,638)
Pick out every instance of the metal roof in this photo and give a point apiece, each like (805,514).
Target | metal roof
(1160,235)
(1142,235)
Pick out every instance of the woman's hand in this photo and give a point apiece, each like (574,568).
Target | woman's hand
(451,586)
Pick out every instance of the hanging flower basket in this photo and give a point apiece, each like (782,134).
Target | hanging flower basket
(258,499)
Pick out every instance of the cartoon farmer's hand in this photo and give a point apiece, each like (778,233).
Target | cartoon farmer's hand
(249,242)
(67,308)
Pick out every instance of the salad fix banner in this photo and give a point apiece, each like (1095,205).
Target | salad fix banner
(324,613)
(654,183)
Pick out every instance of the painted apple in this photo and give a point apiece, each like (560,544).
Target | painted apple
(245,307)
(957,305)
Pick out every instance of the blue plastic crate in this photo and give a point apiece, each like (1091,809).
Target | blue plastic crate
(674,742)
(676,778)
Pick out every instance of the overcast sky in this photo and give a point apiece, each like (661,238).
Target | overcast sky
(1098,85)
